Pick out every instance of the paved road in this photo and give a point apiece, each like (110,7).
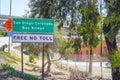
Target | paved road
(3,41)
(2,59)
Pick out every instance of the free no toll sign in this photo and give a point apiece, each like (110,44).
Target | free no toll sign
(43,38)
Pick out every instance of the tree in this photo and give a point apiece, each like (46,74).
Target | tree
(111,23)
(89,27)
(43,9)
(58,10)
(69,14)
(72,12)
(31,48)
(111,28)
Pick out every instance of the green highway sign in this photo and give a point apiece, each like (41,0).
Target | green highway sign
(30,25)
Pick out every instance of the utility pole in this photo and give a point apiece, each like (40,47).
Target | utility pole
(10,17)
(0,6)
(10,7)
(101,40)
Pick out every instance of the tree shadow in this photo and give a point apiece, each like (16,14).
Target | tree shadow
(58,73)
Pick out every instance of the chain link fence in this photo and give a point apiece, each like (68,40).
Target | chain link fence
(100,69)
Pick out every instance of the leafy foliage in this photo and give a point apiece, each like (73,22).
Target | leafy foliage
(76,44)
(89,27)
(33,48)
(9,56)
(42,8)
(13,72)
(61,10)
(31,57)
(3,32)
(112,20)
(114,59)
(63,46)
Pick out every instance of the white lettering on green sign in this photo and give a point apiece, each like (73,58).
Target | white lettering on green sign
(33,25)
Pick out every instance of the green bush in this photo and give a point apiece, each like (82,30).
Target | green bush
(9,56)
(114,59)
(31,57)
(3,32)
(13,72)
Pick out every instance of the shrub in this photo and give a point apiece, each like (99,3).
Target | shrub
(3,32)
(31,57)
(13,72)
(114,59)
(9,56)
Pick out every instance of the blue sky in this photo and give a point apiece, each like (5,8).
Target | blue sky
(18,7)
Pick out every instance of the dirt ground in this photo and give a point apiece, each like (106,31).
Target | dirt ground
(55,74)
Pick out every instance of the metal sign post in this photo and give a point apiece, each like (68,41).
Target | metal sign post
(10,16)
(43,63)
(22,57)
(9,45)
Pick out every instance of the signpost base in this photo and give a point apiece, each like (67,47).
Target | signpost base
(43,63)
(22,57)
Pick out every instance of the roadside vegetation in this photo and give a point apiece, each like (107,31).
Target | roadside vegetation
(84,18)
(87,20)
(3,33)
(114,59)
(10,70)
(9,56)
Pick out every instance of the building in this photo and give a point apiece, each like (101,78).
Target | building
(83,54)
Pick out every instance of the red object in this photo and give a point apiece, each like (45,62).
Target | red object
(8,24)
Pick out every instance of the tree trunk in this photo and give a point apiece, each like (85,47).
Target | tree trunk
(112,46)
(116,73)
(90,61)
(53,60)
(49,64)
